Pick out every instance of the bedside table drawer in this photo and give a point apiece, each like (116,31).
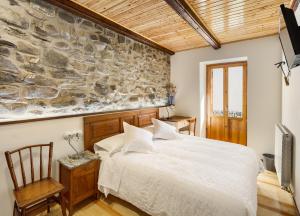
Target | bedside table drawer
(84,185)
(86,168)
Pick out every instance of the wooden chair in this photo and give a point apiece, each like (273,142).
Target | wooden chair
(37,195)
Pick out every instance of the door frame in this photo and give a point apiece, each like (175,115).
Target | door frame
(225,94)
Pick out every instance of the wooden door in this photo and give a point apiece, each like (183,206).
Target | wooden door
(226,99)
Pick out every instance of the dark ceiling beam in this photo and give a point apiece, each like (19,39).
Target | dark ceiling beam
(187,13)
(107,23)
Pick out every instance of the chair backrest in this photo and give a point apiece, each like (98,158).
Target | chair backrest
(8,155)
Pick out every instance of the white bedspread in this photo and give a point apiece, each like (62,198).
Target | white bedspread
(188,177)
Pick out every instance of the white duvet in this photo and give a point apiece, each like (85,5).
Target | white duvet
(187,177)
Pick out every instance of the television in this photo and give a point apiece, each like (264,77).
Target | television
(289,35)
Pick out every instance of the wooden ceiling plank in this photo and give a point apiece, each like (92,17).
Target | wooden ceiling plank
(116,10)
(188,38)
(152,22)
(157,20)
(243,13)
(267,27)
(153,17)
(248,36)
(104,5)
(187,31)
(247,22)
(208,5)
(215,7)
(257,18)
(158,12)
(229,10)
(187,13)
(257,27)
(242,10)
(93,3)
(252,29)
(231,20)
(85,1)
(124,6)
(161,11)
(107,23)
(131,15)
(114,7)
(254,16)
(158,15)
(169,34)
(135,9)
(185,43)
(165,29)
(159,28)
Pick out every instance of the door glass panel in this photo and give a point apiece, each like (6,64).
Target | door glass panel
(217,91)
(235,92)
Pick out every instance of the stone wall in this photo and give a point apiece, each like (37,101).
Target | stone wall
(55,63)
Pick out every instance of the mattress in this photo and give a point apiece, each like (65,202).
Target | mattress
(185,177)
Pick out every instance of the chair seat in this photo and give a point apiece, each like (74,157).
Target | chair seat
(37,191)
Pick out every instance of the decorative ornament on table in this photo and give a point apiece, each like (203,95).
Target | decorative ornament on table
(69,137)
(171,92)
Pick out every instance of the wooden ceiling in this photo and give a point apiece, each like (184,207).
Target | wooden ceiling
(227,20)
(235,20)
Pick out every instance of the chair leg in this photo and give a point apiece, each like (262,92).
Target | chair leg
(62,204)
(23,212)
(48,205)
(15,213)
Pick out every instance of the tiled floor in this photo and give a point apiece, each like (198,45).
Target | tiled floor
(272,201)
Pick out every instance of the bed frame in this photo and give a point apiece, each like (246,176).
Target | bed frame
(98,127)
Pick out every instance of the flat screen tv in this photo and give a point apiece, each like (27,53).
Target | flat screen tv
(289,35)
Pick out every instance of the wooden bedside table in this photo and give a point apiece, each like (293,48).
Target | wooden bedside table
(80,178)
(182,123)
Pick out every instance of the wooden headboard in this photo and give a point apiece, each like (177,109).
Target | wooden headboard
(99,127)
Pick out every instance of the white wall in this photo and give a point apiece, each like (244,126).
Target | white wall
(264,85)
(291,119)
(17,135)
(264,99)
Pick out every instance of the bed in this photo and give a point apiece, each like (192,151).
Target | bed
(184,177)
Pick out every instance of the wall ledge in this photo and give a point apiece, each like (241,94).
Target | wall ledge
(19,121)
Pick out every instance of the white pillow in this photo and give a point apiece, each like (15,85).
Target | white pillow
(163,130)
(149,128)
(111,144)
(137,139)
